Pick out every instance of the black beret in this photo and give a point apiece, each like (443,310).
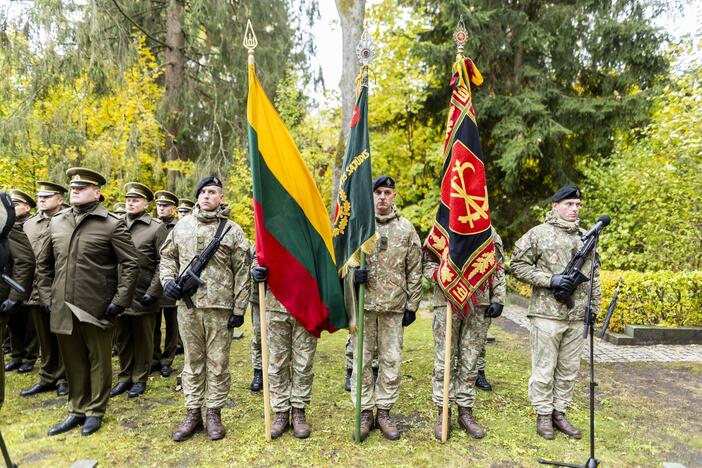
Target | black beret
(566,193)
(207,181)
(383,181)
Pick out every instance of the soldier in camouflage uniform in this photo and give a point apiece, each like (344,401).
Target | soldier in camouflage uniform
(290,366)
(166,203)
(393,277)
(469,335)
(52,373)
(256,360)
(220,304)
(556,331)
(134,335)
(23,338)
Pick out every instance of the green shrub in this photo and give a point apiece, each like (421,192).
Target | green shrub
(663,298)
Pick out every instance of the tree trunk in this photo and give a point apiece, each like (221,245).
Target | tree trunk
(174,73)
(351,14)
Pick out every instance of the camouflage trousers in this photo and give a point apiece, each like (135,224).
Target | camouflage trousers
(383,333)
(256,360)
(480,365)
(291,351)
(556,346)
(468,340)
(350,364)
(206,342)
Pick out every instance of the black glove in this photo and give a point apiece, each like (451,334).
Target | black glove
(235,321)
(409,318)
(494,310)
(171,290)
(562,282)
(8,306)
(147,300)
(113,310)
(47,309)
(360,276)
(259,274)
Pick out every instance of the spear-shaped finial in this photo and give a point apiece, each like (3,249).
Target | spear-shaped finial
(460,35)
(250,41)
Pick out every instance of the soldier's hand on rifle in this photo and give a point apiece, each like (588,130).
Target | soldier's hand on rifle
(562,282)
(494,310)
(171,290)
(147,300)
(259,274)
(360,276)
(8,306)
(409,317)
(113,310)
(235,321)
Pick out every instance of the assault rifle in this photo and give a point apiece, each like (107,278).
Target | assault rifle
(190,279)
(572,270)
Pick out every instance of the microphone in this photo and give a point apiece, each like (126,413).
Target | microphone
(602,222)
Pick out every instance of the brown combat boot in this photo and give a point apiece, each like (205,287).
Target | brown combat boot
(213,424)
(384,422)
(544,426)
(366,425)
(561,423)
(280,424)
(437,428)
(468,422)
(301,429)
(190,425)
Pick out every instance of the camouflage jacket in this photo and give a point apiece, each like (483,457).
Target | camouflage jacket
(147,234)
(226,276)
(497,293)
(170,223)
(545,251)
(394,267)
(271,302)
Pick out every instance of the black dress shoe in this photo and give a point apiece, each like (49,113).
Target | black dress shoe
(92,424)
(69,423)
(120,388)
(25,367)
(37,388)
(156,367)
(166,370)
(12,365)
(62,389)
(137,389)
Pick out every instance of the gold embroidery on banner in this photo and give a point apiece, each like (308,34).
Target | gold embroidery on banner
(460,191)
(482,263)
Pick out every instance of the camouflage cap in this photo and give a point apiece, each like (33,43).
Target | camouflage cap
(164,197)
(566,192)
(137,190)
(49,189)
(82,177)
(23,197)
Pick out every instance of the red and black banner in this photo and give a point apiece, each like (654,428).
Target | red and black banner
(461,236)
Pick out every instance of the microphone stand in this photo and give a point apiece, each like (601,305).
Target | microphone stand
(589,321)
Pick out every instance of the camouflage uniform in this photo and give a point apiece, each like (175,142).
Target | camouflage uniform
(256,359)
(468,334)
(556,331)
(206,339)
(394,285)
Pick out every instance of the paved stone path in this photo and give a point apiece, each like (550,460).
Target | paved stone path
(607,352)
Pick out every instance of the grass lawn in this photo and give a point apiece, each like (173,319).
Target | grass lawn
(647,414)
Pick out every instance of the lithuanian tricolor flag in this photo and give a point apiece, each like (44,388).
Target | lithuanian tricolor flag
(293,231)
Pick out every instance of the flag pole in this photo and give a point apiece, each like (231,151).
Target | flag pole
(250,43)
(359,350)
(447,372)
(264,360)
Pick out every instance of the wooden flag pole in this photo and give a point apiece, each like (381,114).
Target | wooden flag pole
(447,373)
(359,351)
(264,359)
